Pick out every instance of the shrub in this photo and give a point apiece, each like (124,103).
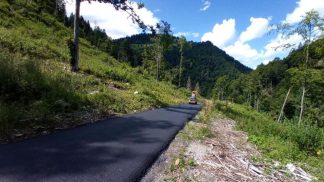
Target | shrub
(307,138)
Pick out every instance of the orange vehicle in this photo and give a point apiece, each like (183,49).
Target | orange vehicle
(193,98)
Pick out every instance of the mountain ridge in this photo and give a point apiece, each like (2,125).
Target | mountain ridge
(200,57)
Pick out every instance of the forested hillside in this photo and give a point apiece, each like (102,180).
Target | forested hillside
(38,91)
(275,87)
(202,62)
(266,87)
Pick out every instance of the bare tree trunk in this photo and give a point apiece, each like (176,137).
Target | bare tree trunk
(257,104)
(254,101)
(222,95)
(283,105)
(158,60)
(56,8)
(304,84)
(249,99)
(75,62)
(157,69)
(180,66)
(301,106)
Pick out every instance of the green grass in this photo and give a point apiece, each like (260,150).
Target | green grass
(202,133)
(286,142)
(181,162)
(201,128)
(38,90)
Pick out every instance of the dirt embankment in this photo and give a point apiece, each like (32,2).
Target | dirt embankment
(227,156)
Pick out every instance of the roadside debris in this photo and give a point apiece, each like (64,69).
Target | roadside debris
(226,157)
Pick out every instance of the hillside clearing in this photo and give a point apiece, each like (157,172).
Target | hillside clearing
(38,92)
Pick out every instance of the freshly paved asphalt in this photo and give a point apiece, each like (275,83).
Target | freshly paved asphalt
(118,149)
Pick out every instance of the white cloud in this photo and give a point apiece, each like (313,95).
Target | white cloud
(257,28)
(276,45)
(187,34)
(274,48)
(206,4)
(221,33)
(116,23)
(304,6)
(265,62)
(242,51)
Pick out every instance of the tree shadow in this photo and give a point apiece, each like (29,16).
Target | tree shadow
(118,149)
(185,108)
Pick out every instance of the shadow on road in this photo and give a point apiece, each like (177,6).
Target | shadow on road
(118,149)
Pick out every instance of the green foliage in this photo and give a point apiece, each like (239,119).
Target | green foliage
(303,138)
(266,87)
(30,95)
(202,133)
(37,90)
(96,36)
(286,142)
(202,129)
(202,62)
(181,162)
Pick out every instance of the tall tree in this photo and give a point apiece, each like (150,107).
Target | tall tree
(309,28)
(161,42)
(283,105)
(197,88)
(158,53)
(189,83)
(183,45)
(221,85)
(123,5)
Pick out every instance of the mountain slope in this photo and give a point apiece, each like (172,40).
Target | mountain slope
(266,87)
(38,91)
(203,62)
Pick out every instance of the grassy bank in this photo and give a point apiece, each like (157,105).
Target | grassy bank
(38,92)
(286,142)
(200,129)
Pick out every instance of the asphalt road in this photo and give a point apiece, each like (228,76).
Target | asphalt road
(118,149)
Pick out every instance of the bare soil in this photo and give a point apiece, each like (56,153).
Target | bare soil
(228,156)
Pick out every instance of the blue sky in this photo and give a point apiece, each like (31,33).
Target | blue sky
(237,26)
(188,17)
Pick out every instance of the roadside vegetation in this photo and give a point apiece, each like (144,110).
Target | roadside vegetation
(200,129)
(38,92)
(175,162)
(280,105)
(229,141)
(285,142)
